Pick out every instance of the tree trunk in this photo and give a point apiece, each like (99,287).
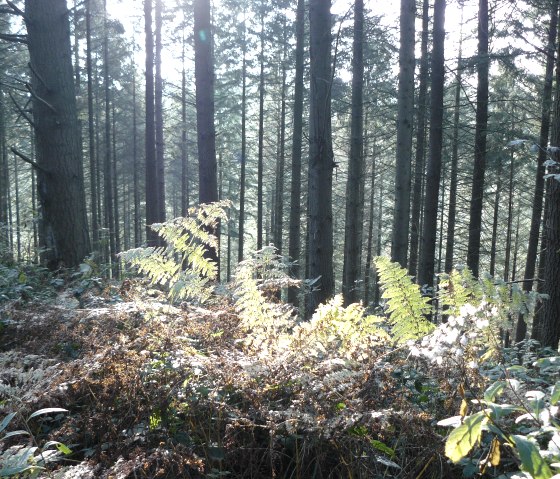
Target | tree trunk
(321,159)
(242,178)
(420,154)
(204,81)
(261,139)
(538,195)
(354,203)
(495,219)
(151,163)
(60,177)
(297,140)
(405,119)
(158,104)
(429,226)
(452,210)
(477,193)
(91,133)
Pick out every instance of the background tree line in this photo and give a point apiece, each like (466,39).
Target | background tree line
(337,138)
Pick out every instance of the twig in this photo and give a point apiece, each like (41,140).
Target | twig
(10,37)
(38,98)
(25,158)
(39,77)
(21,110)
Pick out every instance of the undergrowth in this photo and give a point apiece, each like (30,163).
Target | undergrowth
(244,389)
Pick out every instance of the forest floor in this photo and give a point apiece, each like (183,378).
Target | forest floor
(157,391)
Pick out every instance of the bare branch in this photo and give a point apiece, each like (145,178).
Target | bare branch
(25,158)
(22,112)
(16,10)
(39,77)
(14,38)
(38,98)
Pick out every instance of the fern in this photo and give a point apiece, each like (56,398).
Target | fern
(181,265)
(257,280)
(406,307)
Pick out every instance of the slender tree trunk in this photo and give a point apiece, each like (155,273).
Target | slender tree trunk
(405,119)
(429,226)
(242,179)
(261,139)
(18,209)
(136,168)
(420,154)
(279,197)
(495,219)
(369,273)
(91,133)
(206,134)
(321,160)
(158,107)
(477,194)
(452,210)
(151,161)
(538,195)
(354,203)
(297,141)
(108,191)
(184,147)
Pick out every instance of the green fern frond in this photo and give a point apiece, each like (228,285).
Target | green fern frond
(406,307)
(181,266)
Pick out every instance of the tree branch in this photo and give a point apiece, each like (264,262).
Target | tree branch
(25,158)
(38,98)
(16,10)
(14,38)
(21,111)
(39,77)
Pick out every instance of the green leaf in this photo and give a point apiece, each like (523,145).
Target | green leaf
(494,390)
(7,420)
(380,446)
(554,398)
(63,448)
(47,410)
(462,440)
(531,460)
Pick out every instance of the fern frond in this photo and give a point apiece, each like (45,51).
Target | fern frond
(181,265)
(406,307)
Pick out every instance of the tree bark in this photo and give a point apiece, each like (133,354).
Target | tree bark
(321,159)
(206,134)
(354,185)
(60,179)
(294,249)
(429,227)
(405,119)
(477,193)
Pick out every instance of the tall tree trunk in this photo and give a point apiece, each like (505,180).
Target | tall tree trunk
(354,185)
(108,191)
(158,107)
(495,219)
(151,162)
(297,140)
(18,209)
(479,170)
(420,154)
(91,133)
(261,139)
(321,159)
(429,226)
(279,197)
(206,134)
(452,210)
(60,174)
(369,273)
(242,179)
(405,119)
(136,167)
(185,190)
(538,195)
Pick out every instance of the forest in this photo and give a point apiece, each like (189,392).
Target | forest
(280,239)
